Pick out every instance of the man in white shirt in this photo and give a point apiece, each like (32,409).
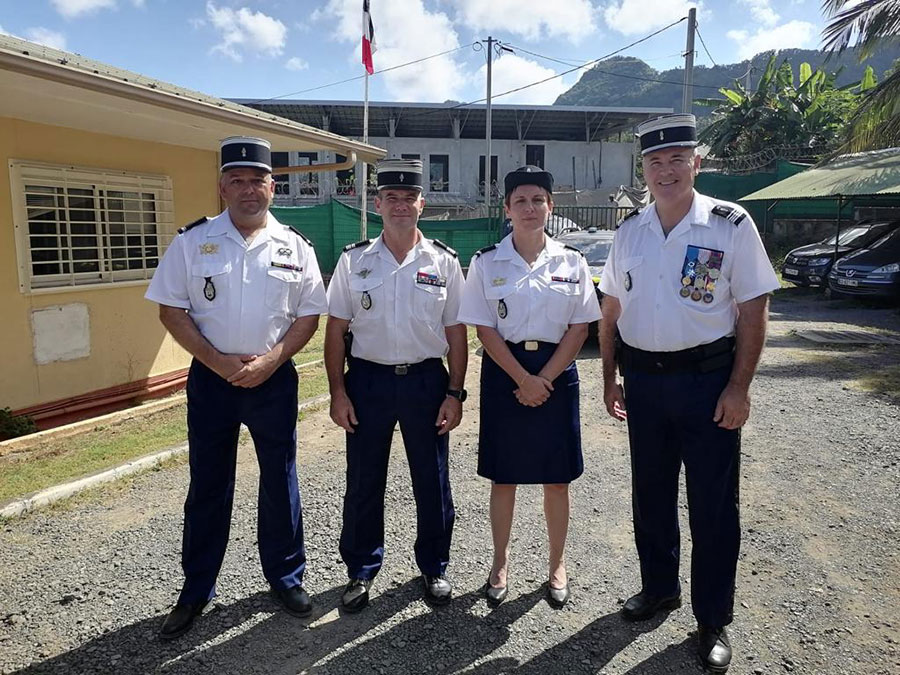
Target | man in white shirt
(392,306)
(242,293)
(685,296)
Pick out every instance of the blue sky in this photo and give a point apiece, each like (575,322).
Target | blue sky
(278,48)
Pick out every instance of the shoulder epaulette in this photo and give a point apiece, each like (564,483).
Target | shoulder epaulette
(572,248)
(199,221)
(729,213)
(301,235)
(631,214)
(485,250)
(350,247)
(440,244)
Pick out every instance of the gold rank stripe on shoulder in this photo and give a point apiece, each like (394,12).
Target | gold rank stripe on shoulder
(728,213)
(485,250)
(350,247)
(200,221)
(440,244)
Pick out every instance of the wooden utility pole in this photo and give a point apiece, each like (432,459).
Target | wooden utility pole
(687,102)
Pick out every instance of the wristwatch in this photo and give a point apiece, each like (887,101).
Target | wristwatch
(459,394)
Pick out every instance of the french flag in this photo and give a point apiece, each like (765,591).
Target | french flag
(368,39)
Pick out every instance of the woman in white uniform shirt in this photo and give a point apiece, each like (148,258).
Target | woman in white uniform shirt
(531,300)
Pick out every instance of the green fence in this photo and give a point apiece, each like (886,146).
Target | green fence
(334,225)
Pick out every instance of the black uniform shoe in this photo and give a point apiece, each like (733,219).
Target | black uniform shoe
(644,605)
(495,594)
(180,620)
(714,648)
(437,589)
(557,597)
(356,595)
(295,601)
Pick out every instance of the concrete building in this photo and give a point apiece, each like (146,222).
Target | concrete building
(99,168)
(587,149)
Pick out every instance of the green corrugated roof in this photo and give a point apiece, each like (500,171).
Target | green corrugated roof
(858,175)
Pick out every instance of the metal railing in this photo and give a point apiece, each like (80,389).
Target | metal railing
(584,217)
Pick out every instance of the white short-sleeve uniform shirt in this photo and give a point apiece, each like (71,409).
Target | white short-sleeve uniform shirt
(397,310)
(242,297)
(529,302)
(681,291)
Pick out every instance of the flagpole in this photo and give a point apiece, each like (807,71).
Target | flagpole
(363,218)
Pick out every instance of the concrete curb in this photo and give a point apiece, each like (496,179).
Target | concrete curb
(57,493)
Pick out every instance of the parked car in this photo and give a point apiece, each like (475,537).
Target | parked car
(809,265)
(873,271)
(595,245)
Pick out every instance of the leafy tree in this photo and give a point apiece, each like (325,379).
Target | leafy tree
(870,24)
(811,113)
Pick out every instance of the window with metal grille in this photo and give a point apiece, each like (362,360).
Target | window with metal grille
(77,226)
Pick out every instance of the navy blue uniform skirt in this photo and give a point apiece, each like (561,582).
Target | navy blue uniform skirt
(518,444)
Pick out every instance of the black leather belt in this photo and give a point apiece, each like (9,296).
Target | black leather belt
(703,358)
(530,345)
(397,369)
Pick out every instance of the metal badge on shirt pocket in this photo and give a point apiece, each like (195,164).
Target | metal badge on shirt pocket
(701,269)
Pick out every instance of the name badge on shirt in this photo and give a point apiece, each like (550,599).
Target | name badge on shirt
(287,266)
(701,268)
(567,280)
(430,279)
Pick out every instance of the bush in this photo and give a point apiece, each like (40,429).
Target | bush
(12,426)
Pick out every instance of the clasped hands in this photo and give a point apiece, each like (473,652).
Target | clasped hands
(246,370)
(533,390)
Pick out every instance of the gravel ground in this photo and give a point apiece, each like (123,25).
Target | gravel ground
(84,586)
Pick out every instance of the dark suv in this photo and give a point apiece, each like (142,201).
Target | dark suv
(809,265)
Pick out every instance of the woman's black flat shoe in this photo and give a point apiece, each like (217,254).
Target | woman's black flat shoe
(557,597)
(495,594)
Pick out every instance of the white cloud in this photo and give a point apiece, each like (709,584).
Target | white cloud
(638,17)
(797,34)
(246,30)
(761,11)
(47,37)
(296,63)
(73,8)
(531,19)
(404,31)
(512,71)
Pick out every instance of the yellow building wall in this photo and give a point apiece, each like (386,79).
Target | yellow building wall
(127,342)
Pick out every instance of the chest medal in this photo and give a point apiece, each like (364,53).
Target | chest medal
(501,309)
(209,289)
(366,301)
(701,268)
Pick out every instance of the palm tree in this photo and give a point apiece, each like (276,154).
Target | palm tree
(868,23)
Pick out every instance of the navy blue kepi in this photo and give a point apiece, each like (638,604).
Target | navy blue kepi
(528,175)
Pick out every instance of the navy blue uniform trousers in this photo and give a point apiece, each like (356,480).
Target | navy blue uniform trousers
(216,410)
(381,398)
(670,422)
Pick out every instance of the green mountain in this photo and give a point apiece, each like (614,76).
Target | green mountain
(628,81)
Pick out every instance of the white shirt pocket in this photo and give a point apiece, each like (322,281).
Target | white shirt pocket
(279,284)
(560,300)
(207,286)
(367,297)
(630,281)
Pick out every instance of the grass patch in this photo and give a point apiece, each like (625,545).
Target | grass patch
(56,462)
(313,382)
(885,381)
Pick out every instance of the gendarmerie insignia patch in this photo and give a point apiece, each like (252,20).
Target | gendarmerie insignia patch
(189,226)
(728,213)
(284,252)
(209,289)
(208,248)
(501,309)
(366,301)
(350,247)
(440,244)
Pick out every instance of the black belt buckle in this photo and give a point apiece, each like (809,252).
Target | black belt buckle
(402,369)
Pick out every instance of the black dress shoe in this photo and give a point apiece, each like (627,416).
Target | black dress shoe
(295,600)
(714,648)
(557,597)
(437,589)
(356,595)
(644,605)
(180,620)
(495,594)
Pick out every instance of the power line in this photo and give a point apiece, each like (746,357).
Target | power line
(697,27)
(359,77)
